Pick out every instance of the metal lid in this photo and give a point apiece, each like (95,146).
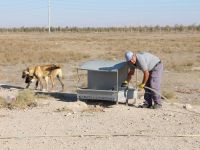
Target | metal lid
(103,65)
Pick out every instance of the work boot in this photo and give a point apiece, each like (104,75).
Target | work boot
(157,106)
(145,106)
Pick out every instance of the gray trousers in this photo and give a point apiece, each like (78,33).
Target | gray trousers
(154,82)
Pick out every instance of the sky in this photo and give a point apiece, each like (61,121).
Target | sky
(99,13)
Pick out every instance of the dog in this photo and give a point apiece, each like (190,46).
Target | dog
(41,74)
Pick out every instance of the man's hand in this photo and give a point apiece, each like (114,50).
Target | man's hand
(141,86)
(124,84)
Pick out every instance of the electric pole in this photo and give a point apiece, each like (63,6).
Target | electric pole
(49,16)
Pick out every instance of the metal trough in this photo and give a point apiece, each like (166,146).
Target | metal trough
(104,79)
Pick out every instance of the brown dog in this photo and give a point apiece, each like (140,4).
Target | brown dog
(41,75)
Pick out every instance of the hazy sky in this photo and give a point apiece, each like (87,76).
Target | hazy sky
(92,13)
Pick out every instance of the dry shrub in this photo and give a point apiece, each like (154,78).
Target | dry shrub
(3,103)
(26,98)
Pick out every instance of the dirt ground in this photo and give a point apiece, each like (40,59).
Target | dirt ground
(61,122)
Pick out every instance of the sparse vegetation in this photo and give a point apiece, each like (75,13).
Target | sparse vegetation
(41,48)
(25,99)
(175,28)
(169,94)
(2,102)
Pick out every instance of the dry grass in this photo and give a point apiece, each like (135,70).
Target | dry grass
(25,99)
(3,103)
(169,94)
(178,51)
(62,48)
(13,57)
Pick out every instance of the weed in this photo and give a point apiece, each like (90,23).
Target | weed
(26,98)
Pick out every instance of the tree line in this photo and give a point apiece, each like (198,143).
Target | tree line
(167,28)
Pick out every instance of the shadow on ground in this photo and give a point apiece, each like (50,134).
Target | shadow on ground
(66,97)
(6,86)
(72,97)
(101,103)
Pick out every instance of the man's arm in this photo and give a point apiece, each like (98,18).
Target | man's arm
(131,72)
(145,77)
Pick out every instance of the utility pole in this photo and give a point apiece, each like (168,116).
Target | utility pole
(49,16)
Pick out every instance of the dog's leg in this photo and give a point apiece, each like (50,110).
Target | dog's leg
(63,86)
(36,84)
(41,84)
(52,83)
(28,85)
(46,82)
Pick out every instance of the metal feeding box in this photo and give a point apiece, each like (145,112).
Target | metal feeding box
(104,79)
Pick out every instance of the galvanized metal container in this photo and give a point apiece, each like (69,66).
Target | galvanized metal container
(104,79)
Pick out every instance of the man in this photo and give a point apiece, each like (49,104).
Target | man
(152,69)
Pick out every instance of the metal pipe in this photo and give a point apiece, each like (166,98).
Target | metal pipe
(117,87)
(136,77)
(155,92)
(78,79)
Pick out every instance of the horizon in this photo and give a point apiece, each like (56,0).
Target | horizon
(99,13)
(70,27)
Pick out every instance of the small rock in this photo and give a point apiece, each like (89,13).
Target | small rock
(10,98)
(69,114)
(187,106)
